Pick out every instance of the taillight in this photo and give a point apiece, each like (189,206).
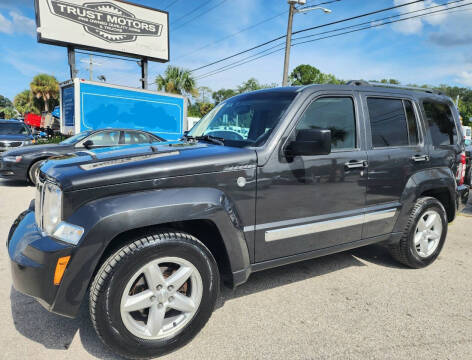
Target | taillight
(461,170)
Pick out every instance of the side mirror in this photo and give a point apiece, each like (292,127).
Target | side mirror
(88,144)
(310,142)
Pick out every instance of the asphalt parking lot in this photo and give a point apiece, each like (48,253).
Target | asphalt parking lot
(354,305)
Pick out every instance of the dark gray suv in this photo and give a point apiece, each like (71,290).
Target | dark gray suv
(265,179)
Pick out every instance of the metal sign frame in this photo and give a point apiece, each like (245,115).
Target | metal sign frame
(97,49)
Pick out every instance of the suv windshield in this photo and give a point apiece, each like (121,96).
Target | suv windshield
(245,120)
(13,129)
(75,138)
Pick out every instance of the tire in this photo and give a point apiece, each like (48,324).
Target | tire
(127,332)
(33,171)
(416,248)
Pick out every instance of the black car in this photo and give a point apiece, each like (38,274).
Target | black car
(23,163)
(148,232)
(14,134)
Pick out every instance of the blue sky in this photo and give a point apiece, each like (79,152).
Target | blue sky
(432,50)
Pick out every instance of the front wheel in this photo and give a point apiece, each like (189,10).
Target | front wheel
(33,171)
(424,236)
(154,294)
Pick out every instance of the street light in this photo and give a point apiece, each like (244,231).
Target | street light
(288,41)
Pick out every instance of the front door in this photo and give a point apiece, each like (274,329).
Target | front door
(307,203)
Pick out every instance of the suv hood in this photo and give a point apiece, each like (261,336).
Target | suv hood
(23,150)
(87,169)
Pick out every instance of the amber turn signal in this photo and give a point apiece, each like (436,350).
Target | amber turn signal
(60,268)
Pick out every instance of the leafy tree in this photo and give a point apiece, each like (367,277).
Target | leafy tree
(205,108)
(390,81)
(306,74)
(223,94)
(9,112)
(5,102)
(204,92)
(252,84)
(24,103)
(46,88)
(177,80)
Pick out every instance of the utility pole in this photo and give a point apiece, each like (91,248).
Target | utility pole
(91,64)
(288,40)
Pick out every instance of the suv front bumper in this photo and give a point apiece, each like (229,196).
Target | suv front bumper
(33,258)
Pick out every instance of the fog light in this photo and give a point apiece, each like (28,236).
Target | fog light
(68,233)
(60,269)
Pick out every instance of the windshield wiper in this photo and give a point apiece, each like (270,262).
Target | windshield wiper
(208,138)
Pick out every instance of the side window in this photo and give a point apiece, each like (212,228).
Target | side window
(336,114)
(441,123)
(387,122)
(105,138)
(412,123)
(133,137)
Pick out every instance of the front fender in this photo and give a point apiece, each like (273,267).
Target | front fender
(106,218)
(421,182)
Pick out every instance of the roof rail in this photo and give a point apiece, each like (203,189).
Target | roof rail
(393,86)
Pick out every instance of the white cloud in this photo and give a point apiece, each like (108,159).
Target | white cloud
(415,26)
(6,25)
(465,78)
(17,23)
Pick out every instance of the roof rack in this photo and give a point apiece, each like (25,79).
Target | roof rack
(403,87)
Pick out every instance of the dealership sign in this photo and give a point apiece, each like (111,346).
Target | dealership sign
(111,26)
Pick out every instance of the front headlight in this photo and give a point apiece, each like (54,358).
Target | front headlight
(27,142)
(52,207)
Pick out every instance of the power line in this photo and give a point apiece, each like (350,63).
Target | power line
(192,11)
(239,63)
(307,29)
(245,29)
(171,4)
(200,14)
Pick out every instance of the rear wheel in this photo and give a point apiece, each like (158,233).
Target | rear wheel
(154,294)
(424,235)
(33,171)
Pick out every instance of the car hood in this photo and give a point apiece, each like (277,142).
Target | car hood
(30,149)
(87,169)
(15,137)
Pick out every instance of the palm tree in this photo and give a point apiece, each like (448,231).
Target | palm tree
(45,87)
(177,81)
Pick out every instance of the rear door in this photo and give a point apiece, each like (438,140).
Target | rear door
(396,150)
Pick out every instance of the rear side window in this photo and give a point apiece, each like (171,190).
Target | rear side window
(336,114)
(441,123)
(392,122)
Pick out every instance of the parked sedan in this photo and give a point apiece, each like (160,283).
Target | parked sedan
(14,133)
(24,163)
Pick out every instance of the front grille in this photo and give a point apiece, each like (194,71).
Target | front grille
(5,144)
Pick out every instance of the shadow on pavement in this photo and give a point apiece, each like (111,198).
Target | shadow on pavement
(14,183)
(57,332)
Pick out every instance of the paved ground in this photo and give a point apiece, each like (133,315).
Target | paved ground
(354,305)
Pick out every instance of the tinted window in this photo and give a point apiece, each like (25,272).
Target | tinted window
(105,138)
(412,123)
(387,122)
(441,123)
(132,137)
(12,128)
(336,114)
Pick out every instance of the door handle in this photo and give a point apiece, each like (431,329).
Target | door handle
(419,158)
(356,164)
